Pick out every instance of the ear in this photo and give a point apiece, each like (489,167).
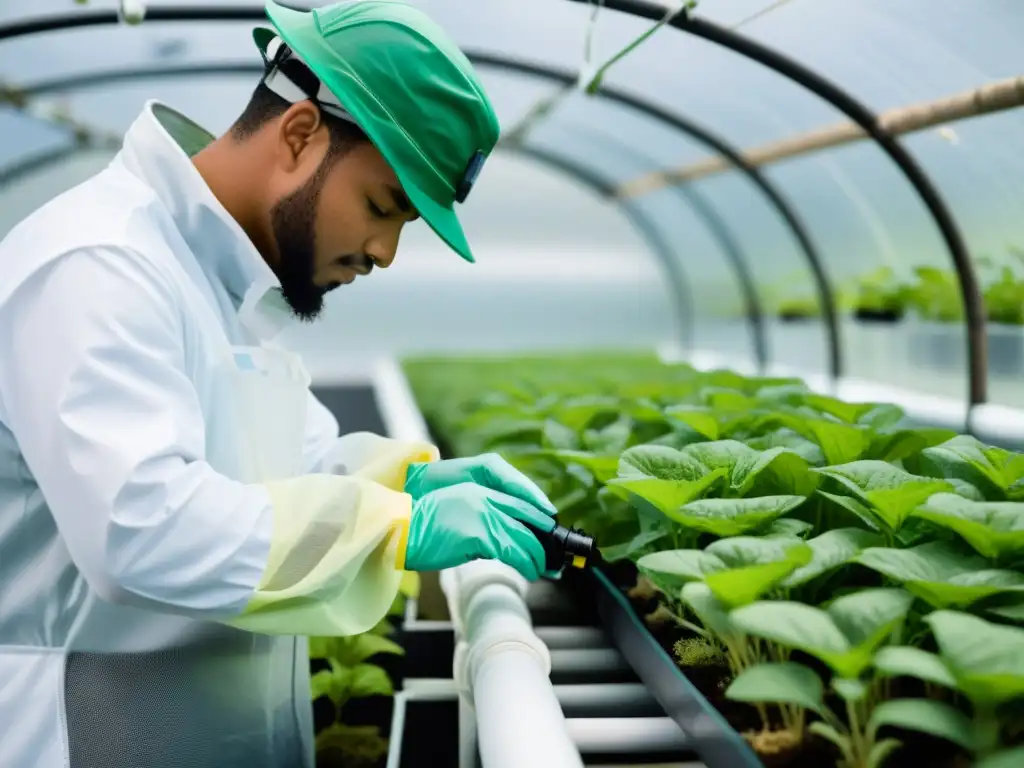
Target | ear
(302,137)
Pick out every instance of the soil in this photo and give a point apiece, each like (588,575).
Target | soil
(776,747)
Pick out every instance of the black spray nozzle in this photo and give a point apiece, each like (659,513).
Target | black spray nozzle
(566,547)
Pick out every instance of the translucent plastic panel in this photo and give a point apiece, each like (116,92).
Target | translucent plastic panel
(979,168)
(742,100)
(779,268)
(874,233)
(889,52)
(662,143)
(711,289)
(27,137)
(30,191)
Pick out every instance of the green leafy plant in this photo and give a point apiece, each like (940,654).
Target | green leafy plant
(351,675)
(789,547)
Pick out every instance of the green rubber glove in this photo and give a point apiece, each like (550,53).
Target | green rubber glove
(454,525)
(488,470)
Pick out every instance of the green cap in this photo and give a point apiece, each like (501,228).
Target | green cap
(410,89)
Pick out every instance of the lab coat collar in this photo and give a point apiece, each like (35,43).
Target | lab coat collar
(158,148)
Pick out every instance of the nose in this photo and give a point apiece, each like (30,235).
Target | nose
(382,249)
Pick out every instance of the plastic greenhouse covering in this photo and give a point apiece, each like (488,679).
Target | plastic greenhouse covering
(826,192)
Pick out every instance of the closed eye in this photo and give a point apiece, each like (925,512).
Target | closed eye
(375,209)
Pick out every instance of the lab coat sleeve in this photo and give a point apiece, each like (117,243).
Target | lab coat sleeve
(365,454)
(95,389)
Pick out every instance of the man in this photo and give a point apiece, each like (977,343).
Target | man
(176,509)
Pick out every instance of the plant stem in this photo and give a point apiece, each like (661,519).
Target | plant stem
(859,749)
(986,728)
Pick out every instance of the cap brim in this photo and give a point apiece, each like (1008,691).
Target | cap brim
(444,221)
(292,24)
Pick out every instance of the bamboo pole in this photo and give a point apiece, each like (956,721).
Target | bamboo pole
(993,97)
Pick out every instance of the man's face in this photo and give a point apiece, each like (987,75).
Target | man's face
(338,222)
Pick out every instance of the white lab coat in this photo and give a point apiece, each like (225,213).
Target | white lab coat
(155,513)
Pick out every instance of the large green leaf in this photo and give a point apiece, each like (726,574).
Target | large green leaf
(831,550)
(782,682)
(840,443)
(1014,611)
(639,545)
(349,651)
(900,443)
(335,683)
(771,472)
(738,570)
(370,680)
(732,517)
(907,661)
(661,462)
(851,413)
(1007,758)
(698,418)
(890,492)
(673,568)
(986,659)
(997,472)
(787,527)
(612,438)
(942,575)
(578,412)
(936,718)
(855,506)
(844,636)
(560,437)
(753,566)
(787,438)
(602,467)
(668,496)
(995,529)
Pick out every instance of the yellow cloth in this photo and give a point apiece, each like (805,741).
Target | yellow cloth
(332,568)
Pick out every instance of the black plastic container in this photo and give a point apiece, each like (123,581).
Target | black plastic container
(712,738)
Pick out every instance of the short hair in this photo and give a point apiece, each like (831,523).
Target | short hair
(265,105)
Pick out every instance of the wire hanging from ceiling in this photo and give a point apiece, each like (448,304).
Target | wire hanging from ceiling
(760,14)
(590,78)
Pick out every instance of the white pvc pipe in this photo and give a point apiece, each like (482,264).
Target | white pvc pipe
(519,720)
(503,671)
(508,707)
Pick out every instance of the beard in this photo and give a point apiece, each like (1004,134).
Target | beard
(293,221)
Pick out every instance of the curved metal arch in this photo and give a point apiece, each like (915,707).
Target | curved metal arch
(845,102)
